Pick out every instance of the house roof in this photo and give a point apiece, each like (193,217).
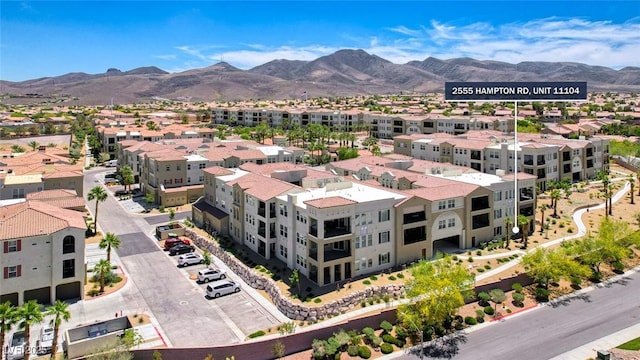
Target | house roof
(328,202)
(34,218)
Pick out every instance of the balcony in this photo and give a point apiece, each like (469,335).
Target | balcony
(337,250)
(480,203)
(337,227)
(262,230)
(476,155)
(414,217)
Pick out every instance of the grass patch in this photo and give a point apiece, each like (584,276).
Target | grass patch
(632,345)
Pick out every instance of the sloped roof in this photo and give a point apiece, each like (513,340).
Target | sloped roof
(34,218)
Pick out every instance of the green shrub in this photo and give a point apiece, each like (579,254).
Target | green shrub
(542,294)
(618,266)
(470,320)
(256,334)
(470,259)
(489,310)
(517,287)
(386,326)
(392,278)
(369,332)
(483,298)
(363,303)
(352,350)
(479,314)
(479,252)
(518,299)
(481,270)
(401,333)
(373,277)
(487,266)
(364,352)
(400,276)
(386,348)
(367,282)
(317,300)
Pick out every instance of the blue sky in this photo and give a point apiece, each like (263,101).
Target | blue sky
(51,38)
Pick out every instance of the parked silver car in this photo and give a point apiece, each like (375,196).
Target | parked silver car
(210,274)
(221,288)
(190,259)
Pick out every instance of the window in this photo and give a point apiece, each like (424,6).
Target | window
(384,215)
(12,271)
(202,166)
(68,244)
(12,246)
(451,222)
(68,268)
(18,193)
(451,203)
(383,237)
(283,230)
(283,210)
(442,205)
(384,258)
(284,252)
(301,239)
(442,224)
(168,168)
(188,166)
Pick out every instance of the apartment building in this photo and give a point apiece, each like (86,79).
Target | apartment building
(545,156)
(361,215)
(42,255)
(25,173)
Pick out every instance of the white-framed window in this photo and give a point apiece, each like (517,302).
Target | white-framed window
(12,246)
(284,231)
(497,213)
(442,205)
(451,222)
(283,210)
(384,258)
(301,239)
(451,203)
(442,224)
(284,252)
(383,237)
(384,215)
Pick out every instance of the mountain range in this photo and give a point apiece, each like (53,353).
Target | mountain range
(343,73)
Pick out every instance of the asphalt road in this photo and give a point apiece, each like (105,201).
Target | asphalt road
(178,303)
(550,330)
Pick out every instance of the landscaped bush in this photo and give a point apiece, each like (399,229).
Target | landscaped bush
(401,333)
(392,278)
(317,300)
(483,298)
(517,287)
(387,338)
(369,332)
(364,352)
(386,348)
(256,334)
(542,294)
(386,326)
(518,299)
(400,276)
(470,320)
(373,277)
(489,310)
(352,350)
(367,282)
(618,266)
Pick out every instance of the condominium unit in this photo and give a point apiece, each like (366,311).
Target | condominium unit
(42,255)
(549,158)
(358,218)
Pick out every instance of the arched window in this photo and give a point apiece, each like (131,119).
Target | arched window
(68,244)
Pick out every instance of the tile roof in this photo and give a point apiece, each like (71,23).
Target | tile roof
(331,201)
(34,218)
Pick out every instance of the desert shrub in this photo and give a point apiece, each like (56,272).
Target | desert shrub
(392,278)
(517,287)
(487,266)
(386,326)
(256,334)
(364,352)
(518,299)
(373,277)
(392,340)
(401,333)
(386,348)
(618,266)
(542,294)
(483,298)
(376,341)
(400,276)
(481,270)
(367,282)
(470,320)
(489,310)
(352,350)
(317,300)
(369,332)
(470,259)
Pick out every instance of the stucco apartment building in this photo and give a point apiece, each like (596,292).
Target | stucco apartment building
(25,173)
(339,224)
(545,156)
(172,170)
(42,255)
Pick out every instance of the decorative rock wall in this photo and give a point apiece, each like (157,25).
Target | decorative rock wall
(292,310)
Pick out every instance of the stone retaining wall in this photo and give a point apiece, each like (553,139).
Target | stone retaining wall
(293,310)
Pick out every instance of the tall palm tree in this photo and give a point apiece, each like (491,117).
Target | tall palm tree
(99,194)
(543,208)
(508,223)
(59,311)
(632,182)
(102,269)
(556,194)
(7,319)
(109,241)
(29,314)
(523,222)
(604,177)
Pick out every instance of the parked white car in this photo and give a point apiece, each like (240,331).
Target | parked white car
(16,348)
(210,274)
(45,343)
(190,259)
(222,287)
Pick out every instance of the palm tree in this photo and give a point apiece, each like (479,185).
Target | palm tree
(523,222)
(60,311)
(108,242)
(127,177)
(29,314)
(102,269)
(7,319)
(632,182)
(543,208)
(556,194)
(33,144)
(604,177)
(508,222)
(98,194)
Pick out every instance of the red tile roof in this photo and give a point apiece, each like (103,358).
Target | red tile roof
(329,202)
(34,218)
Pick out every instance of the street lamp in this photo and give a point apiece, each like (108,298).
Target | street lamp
(421,338)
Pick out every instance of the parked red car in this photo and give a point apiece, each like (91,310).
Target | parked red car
(173,241)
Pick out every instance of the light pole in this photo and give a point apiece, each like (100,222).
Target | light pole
(421,332)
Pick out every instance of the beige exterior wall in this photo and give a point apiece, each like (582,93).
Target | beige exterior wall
(72,183)
(41,261)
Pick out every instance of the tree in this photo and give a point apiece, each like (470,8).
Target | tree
(437,289)
(59,311)
(206,255)
(33,145)
(604,177)
(547,265)
(523,223)
(172,214)
(17,148)
(295,280)
(109,241)
(127,177)
(99,194)
(508,223)
(556,194)
(7,319)
(277,349)
(102,269)
(498,297)
(606,247)
(543,208)
(632,182)
(29,314)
